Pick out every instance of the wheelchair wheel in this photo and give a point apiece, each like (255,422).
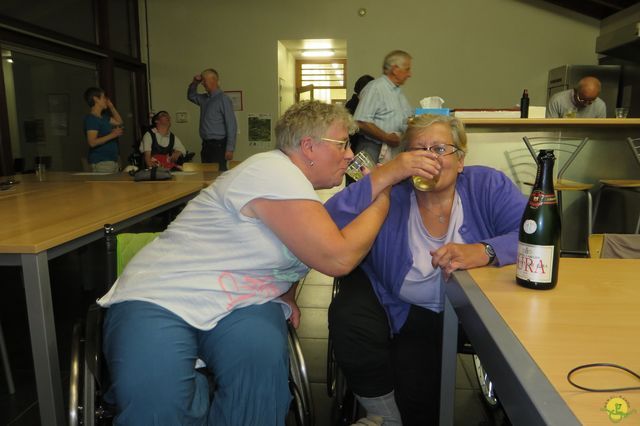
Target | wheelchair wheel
(486,386)
(75,375)
(302,403)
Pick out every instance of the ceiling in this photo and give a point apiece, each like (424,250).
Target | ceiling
(598,9)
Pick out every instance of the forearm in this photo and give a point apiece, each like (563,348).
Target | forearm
(147,159)
(192,92)
(115,116)
(377,133)
(94,142)
(359,236)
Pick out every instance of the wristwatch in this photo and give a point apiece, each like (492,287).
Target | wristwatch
(488,249)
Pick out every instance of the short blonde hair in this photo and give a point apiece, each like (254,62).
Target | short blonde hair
(420,123)
(310,118)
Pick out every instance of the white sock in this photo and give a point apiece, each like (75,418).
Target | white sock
(383,406)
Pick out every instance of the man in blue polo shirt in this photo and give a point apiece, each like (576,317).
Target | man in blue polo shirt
(217,120)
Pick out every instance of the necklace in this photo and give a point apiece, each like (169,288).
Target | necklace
(442,218)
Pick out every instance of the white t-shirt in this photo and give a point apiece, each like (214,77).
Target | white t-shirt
(212,259)
(163,141)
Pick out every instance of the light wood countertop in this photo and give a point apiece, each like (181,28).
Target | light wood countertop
(591,316)
(552,122)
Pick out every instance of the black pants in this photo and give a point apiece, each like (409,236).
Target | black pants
(375,363)
(213,152)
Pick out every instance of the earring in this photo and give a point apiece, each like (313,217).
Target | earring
(311,163)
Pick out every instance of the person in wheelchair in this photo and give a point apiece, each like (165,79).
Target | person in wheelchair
(159,146)
(386,322)
(216,285)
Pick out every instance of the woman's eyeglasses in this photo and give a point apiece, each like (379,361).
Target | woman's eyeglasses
(442,149)
(343,145)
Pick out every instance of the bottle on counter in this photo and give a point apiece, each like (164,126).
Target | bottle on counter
(524,104)
(539,238)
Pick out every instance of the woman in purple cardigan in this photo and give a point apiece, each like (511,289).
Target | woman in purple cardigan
(386,322)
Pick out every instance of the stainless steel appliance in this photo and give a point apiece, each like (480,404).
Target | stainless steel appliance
(567,76)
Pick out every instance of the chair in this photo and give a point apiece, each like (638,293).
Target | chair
(571,147)
(346,409)
(5,364)
(628,185)
(88,381)
(200,167)
(614,246)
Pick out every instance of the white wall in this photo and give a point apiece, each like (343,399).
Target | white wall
(472,53)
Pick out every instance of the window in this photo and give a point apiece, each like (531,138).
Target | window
(326,77)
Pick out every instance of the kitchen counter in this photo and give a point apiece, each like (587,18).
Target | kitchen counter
(552,122)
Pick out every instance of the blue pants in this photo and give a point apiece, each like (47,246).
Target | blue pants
(151,354)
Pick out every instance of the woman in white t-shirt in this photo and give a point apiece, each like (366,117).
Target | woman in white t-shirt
(216,285)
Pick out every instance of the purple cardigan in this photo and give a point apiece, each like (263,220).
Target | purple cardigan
(492,206)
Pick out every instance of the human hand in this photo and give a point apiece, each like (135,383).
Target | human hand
(117,131)
(228,155)
(412,163)
(109,104)
(197,78)
(295,310)
(454,256)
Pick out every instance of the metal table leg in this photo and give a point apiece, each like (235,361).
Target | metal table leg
(449,362)
(35,271)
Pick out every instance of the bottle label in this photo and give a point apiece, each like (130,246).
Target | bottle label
(539,198)
(529,226)
(535,262)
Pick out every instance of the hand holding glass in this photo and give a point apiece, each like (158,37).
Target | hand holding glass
(441,150)
(361,165)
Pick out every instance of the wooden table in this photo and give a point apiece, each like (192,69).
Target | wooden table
(43,220)
(205,178)
(529,340)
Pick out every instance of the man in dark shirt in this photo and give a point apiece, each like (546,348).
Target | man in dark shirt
(218,125)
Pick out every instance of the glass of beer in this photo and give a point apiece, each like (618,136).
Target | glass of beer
(424,184)
(361,165)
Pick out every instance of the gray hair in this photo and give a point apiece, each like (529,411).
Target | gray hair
(395,58)
(210,71)
(420,123)
(309,118)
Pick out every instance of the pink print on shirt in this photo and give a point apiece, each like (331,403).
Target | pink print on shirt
(249,288)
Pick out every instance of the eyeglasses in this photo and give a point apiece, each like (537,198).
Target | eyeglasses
(583,101)
(344,145)
(441,150)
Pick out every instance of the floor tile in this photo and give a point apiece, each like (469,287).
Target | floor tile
(468,409)
(315,356)
(314,296)
(316,278)
(313,323)
(465,373)
(321,404)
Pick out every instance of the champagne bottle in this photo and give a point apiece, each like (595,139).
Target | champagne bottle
(539,240)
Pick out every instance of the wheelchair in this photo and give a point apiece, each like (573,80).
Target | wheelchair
(346,409)
(89,379)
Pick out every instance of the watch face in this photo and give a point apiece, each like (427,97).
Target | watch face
(490,251)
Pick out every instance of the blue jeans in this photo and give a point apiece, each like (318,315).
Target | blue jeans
(151,354)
